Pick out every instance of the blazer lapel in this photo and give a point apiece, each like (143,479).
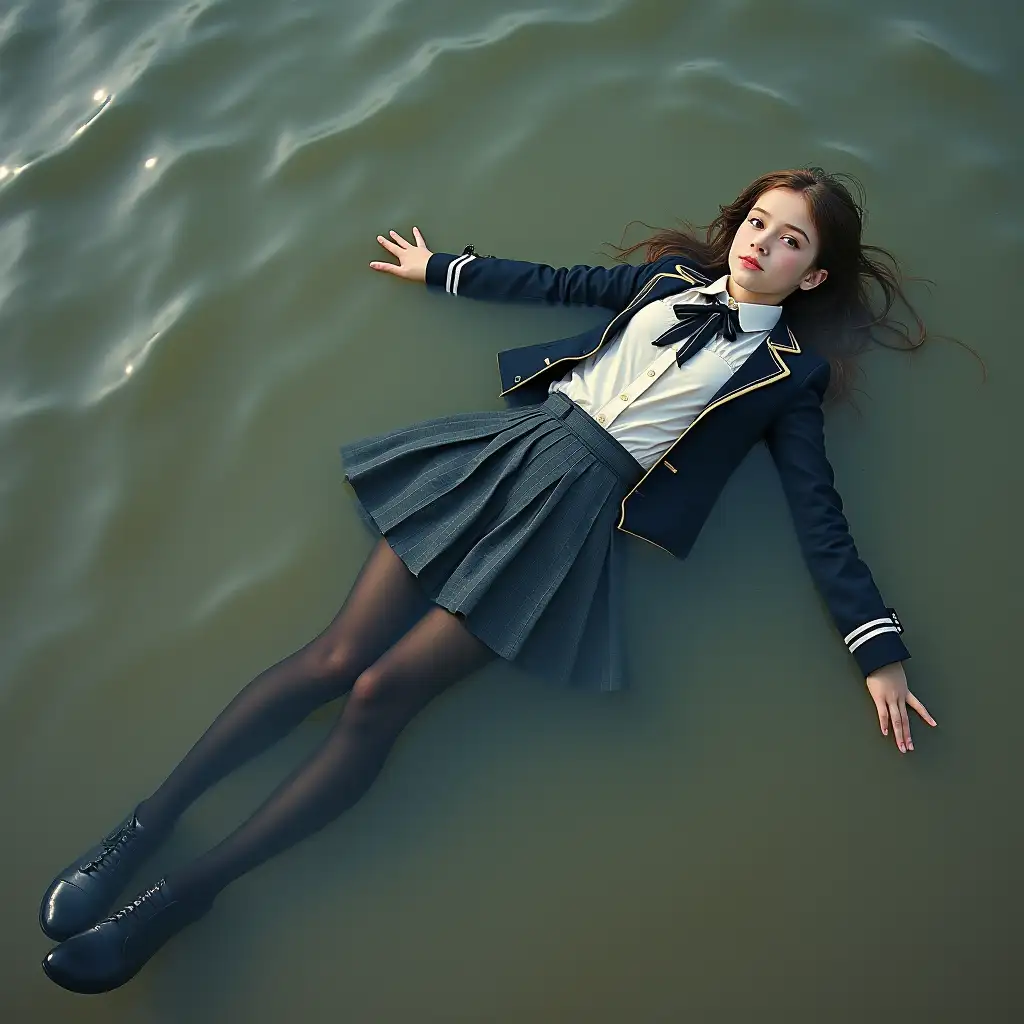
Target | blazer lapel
(765,365)
(670,282)
(667,282)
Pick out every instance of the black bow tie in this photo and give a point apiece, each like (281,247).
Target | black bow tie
(704,320)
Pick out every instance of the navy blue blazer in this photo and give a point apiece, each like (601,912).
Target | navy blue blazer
(774,397)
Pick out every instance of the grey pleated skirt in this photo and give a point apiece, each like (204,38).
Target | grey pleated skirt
(508,518)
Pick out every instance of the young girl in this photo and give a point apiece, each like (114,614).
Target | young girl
(508,526)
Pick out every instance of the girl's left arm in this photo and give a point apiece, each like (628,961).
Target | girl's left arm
(796,440)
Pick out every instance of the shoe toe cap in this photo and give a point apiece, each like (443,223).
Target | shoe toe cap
(85,963)
(66,910)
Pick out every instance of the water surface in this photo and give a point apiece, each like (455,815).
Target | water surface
(188,329)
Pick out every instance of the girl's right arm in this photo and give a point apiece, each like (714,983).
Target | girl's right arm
(485,277)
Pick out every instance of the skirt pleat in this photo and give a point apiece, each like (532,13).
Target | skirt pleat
(508,518)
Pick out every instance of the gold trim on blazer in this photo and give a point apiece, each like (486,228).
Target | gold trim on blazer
(683,274)
(782,372)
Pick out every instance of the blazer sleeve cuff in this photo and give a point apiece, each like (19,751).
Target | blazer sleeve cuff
(444,270)
(877,642)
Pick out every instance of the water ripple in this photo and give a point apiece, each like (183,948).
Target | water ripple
(14,240)
(292,144)
(122,361)
(9,23)
(272,561)
(52,127)
(721,71)
(908,35)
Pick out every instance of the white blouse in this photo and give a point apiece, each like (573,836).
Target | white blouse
(638,393)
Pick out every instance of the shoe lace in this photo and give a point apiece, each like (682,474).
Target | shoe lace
(135,904)
(113,844)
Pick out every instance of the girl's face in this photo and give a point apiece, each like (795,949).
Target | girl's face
(774,250)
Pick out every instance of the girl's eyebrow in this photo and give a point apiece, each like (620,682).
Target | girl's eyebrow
(792,226)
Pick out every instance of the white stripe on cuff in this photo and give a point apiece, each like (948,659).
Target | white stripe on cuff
(454,269)
(869,636)
(867,625)
(458,271)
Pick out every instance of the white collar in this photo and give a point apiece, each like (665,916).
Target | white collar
(753,315)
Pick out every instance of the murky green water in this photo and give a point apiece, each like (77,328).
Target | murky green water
(183,345)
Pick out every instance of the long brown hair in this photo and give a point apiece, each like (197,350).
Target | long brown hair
(840,318)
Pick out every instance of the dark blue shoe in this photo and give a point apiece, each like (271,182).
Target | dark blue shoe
(85,890)
(108,954)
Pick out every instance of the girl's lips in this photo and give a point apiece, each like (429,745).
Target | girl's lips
(749,261)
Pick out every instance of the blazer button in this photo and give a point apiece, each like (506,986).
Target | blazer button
(518,379)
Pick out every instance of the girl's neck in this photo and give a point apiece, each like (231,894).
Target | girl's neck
(753,298)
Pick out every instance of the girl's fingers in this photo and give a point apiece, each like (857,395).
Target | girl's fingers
(391,268)
(418,236)
(920,708)
(883,717)
(897,726)
(389,245)
(905,718)
(401,241)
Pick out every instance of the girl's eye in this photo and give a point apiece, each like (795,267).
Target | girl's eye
(789,239)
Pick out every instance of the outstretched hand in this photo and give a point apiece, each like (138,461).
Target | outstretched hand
(888,689)
(412,259)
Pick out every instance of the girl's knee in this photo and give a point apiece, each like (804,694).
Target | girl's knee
(370,690)
(378,701)
(331,664)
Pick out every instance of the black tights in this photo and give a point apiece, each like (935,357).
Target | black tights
(389,678)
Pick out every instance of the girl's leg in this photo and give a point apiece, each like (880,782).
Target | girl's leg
(433,655)
(380,606)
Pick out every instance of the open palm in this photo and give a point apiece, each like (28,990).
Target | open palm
(412,259)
